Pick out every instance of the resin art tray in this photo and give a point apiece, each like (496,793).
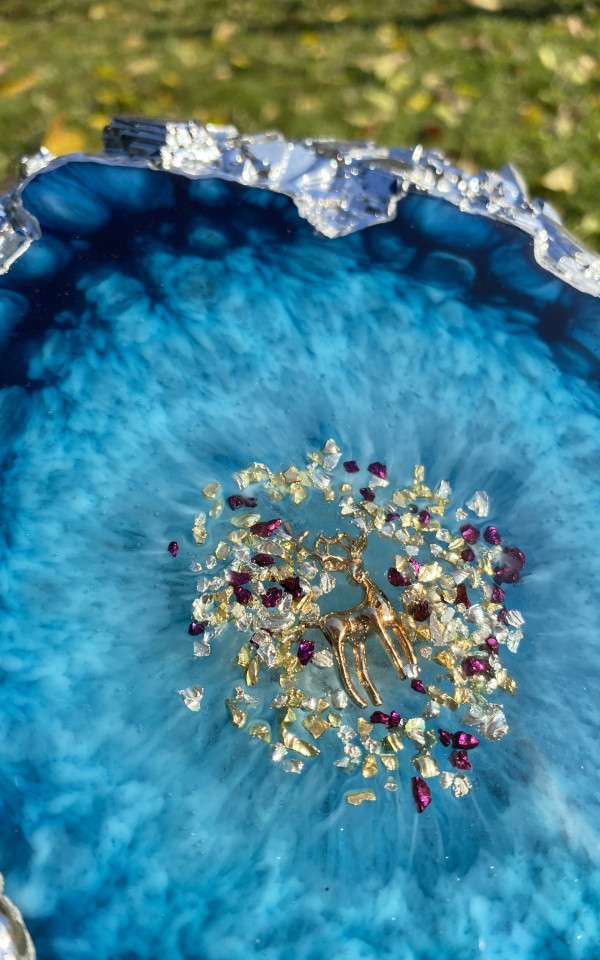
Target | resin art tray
(300,513)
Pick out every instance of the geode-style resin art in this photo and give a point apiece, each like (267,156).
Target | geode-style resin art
(300,512)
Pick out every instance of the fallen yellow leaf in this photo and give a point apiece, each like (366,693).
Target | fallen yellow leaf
(59,139)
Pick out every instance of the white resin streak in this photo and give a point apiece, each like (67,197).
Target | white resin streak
(339,187)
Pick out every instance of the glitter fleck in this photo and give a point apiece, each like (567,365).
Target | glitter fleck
(421,794)
(379,717)
(211,490)
(272,597)
(263,560)
(396,578)
(351,466)
(195,628)
(498,594)
(467,555)
(491,535)
(460,760)
(242,595)
(265,529)
(464,741)
(173,548)
(445,737)
(306,650)
(292,586)
(420,611)
(367,494)
(418,685)
(472,666)
(424,517)
(238,578)
(378,469)
(469,533)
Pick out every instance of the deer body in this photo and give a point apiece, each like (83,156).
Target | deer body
(374,614)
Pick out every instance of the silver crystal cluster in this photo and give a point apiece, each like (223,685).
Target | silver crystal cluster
(15,942)
(338,186)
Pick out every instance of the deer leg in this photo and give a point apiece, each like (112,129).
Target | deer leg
(407,648)
(360,660)
(340,656)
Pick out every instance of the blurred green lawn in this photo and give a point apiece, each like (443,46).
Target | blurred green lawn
(485,81)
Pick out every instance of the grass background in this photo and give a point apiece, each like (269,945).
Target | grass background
(485,81)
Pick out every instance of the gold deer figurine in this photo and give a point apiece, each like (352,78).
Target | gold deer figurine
(374,614)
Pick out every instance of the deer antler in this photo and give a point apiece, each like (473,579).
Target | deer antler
(353,546)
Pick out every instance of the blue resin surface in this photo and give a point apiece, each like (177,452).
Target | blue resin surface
(162,334)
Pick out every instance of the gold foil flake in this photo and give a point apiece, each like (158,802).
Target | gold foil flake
(461,785)
(292,742)
(291,475)
(292,766)
(359,796)
(389,761)
(295,697)
(369,766)
(426,652)
(430,572)
(199,529)
(445,779)
(442,698)
(260,731)
(363,727)
(507,683)
(398,498)
(479,503)
(192,697)
(371,745)
(240,696)
(252,673)
(237,715)
(484,565)
(216,511)
(430,710)
(515,618)
(316,726)
(345,488)
(414,729)
(274,495)
(245,520)
(393,742)
(418,474)
(298,492)
(211,490)
(322,704)
(323,658)
(334,719)
(438,508)
(426,765)
(237,536)
(278,752)
(328,494)
(222,550)
(456,544)
(289,717)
